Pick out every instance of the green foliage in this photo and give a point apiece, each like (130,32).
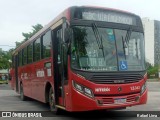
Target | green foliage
(18,43)
(148,65)
(152,70)
(35,29)
(5,59)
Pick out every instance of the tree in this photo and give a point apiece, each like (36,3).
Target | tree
(18,43)
(152,70)
(148,64)
(5,58)
(35,29)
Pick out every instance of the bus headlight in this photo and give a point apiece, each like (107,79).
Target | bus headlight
(143,88)
(88,92)
(78,87)
(84,90)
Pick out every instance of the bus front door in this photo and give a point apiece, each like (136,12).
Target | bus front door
(58,66)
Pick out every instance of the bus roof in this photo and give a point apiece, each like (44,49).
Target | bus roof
(66,14)
(112,9)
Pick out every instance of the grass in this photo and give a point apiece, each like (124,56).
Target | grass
(3,81)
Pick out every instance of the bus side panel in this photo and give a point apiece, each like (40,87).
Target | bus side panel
(12,81)
(48,76)
(38,80)
(24,77)
(42,75)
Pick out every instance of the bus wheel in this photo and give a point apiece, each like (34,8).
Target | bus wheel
(22,96)
(52,102)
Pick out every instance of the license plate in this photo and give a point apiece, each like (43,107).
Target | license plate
(119,100)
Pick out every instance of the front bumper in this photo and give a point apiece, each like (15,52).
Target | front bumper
(81,102)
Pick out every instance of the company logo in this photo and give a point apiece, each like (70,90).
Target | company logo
(119,89)
(6,114)
(20,114)
(102,89)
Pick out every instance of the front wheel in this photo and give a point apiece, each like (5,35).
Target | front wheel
(52,102)
(22,96)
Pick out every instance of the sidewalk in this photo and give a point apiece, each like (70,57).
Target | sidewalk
(153,80)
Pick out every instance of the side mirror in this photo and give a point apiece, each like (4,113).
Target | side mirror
(67,35)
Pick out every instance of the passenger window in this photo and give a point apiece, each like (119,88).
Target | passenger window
(24,56)
(37,49)
(20,58)
(30,55)
(46,41)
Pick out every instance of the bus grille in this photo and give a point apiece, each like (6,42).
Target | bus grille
(116,79)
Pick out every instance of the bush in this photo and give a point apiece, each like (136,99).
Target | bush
(152,71)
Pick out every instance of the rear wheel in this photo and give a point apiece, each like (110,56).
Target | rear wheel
(22,96)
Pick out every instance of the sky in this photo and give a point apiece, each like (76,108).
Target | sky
(17,16)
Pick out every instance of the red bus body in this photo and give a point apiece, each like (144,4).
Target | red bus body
(37,79)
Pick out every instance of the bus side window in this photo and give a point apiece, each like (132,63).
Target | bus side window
(30,55)
(46,41)
(24,56)
(20,58)
(37,49)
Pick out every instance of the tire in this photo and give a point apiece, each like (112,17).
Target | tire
(22,96)
(52,104)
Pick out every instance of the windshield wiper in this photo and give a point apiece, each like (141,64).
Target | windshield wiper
(128,35)
(136,49)
(125,41)
(98,37)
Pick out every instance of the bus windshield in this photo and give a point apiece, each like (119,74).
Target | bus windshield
(107,49)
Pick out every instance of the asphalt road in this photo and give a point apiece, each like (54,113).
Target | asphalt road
(10,101)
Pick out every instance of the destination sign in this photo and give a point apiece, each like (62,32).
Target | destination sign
(108,16)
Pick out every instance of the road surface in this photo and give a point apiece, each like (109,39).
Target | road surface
(10,101)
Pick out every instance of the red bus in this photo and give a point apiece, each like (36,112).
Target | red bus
(87,58)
